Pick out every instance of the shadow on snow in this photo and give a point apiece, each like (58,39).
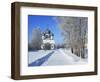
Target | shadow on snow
(40,61)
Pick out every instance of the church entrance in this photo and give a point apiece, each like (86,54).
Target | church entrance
(47,46)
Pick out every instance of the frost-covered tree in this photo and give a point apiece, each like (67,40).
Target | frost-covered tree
(74,31)
(83,34)
(36,39)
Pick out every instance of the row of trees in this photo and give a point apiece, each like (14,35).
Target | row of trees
(74,31)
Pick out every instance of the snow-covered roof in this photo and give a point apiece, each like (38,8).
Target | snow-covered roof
(47,31)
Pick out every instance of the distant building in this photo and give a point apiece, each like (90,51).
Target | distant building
(48,40)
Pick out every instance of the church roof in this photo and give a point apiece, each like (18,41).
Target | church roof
(47,31)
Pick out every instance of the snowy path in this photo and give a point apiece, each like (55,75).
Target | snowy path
(54,57)
(59,57)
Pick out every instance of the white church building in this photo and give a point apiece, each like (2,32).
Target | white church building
(48,40)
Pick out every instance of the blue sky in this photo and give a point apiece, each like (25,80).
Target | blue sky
(44,22)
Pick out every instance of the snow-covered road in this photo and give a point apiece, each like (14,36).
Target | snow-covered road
(59,57)
(54,57)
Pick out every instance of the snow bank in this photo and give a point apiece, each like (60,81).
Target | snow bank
(34,55)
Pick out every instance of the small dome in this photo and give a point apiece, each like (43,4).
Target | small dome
(52,34)
(48,31)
